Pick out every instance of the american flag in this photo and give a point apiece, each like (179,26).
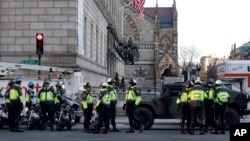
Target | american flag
(138,5)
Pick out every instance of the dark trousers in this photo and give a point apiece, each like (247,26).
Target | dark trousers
(219,112)
(14,115)
(103,116)
(209,115)
(47,109)
(87,113)
(197,116)
(185,116)
(112,114)
(132,115)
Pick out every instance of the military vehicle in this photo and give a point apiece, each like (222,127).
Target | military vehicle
(164,106)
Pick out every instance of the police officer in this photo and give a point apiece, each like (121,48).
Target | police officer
(183,102)
(103,108)
(46,100)
(209,106)
(197,95)
(7,93)
(113,101)
(221,100)
(16,105)
(29,95)
(7,97)
(132,100)
(58,92)
(87,105)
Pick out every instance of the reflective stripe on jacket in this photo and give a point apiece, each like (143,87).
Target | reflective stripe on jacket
(113,93)
(46,96)
(221,96)
(87,99)
(104,98)
(132,96)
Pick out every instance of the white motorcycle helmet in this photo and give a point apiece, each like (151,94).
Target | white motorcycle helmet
(218,82)
(105,84)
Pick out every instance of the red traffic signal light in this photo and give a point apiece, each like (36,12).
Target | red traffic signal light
(39,43)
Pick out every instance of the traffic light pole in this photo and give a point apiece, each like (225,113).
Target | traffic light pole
(39,63)
(39,49)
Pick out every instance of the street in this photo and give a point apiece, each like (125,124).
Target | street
(161,131)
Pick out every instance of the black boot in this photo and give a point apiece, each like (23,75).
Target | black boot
(189,130)
(206,129)
(105,131)
(182,129)
(96,131)
(222,129)
(141,128)
(201,130)
(131,130)
(215,130)
(51,126)
(192,131)
(115,129)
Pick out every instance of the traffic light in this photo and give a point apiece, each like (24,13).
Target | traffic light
(39,43)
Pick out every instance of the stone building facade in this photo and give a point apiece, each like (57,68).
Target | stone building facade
(75,35)
(157,40)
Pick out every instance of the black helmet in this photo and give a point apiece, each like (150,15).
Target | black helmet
(31,84)
(86,84)
(59,84)
(210,81)
(46,81)
(17,80)
(11,81)
(189,82)
(132,81)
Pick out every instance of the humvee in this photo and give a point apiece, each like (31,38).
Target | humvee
(164,106)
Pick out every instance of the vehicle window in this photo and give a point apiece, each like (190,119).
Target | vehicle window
(175,91)
(228,86)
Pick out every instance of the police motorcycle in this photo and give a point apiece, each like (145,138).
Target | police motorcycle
(34,117)
(3,116)
(93,121)
(68,114)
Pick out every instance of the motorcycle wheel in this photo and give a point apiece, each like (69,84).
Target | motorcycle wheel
(59,126)
(30,125)
(93,125)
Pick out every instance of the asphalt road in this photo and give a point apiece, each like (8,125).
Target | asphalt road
(157,133)
(161,131)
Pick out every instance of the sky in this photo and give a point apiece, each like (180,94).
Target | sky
(211,25)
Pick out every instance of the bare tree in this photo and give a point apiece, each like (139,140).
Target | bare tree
(188,56)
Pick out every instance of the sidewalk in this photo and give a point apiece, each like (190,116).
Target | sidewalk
(123,119)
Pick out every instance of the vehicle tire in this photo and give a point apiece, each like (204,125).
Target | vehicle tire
(59,126)
(146,117)
(231,117)
(1,123)
(30,125)
(93,125)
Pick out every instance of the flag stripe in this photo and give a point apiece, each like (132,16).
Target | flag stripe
(138,5)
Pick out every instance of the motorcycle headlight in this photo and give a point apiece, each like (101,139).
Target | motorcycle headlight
(67,107)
